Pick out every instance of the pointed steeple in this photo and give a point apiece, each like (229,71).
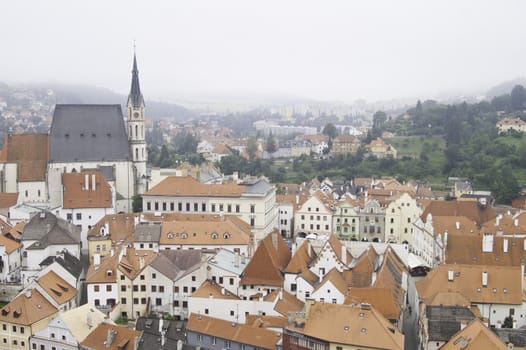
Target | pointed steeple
(135,96)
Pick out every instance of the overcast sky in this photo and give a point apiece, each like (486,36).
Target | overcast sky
(329,50)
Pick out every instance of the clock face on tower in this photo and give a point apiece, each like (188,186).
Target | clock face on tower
(136,115)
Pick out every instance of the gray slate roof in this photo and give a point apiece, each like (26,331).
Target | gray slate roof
(151,337)
(444,321)
(256,186)
(175,263)
(147,232)
(47,229)
(67,261)
(88,133)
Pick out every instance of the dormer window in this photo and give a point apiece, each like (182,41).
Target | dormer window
(109,273)
(170,235)
(226,235)
(214,235)
(184,235)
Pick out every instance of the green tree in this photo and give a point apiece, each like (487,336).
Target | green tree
(272,145)
(252,147)
(330,130)
(379,118)
(505,185)
(518,98)
(137,203)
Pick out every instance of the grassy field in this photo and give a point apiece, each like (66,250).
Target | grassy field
(412,146)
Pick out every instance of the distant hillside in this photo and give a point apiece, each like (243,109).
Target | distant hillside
(88,94)
(505,87)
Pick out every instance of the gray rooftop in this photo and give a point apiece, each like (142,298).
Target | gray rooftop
(256,186)
(226,260)
(147,232)
(444,321)
(88,133)
(47,229)
(175,263)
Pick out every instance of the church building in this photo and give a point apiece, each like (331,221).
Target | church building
(92,136)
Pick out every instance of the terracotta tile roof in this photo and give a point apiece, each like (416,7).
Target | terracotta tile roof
(381,298)
(26,310)
(469,209)
(325,199)
(301,259)
(363,268)
(124,338)
(351,325)
(287,303)
(346,139)
(239,333)
(229,231)
(467,249)
(211,289)
(504,284)
(454,224)
(266,321)
(335,277)
(8,199)
(120,227)
(60,290)
(476,336)
(130,264)
(338,247)
(188,186)
(99,273)
(448,299)
(507,224)
(270,259)
(390,276)
(511,121)
(30,151)
(9,244)
(78,194)
(15,232)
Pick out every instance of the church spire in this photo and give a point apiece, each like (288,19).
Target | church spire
(135,96)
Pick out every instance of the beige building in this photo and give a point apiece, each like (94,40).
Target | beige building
(345,144)
(314,216)
(400,215)
(252,200)
(507,124)
(381,149)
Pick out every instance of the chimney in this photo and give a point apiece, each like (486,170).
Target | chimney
(484,279)
(112,252)
(243,259)
(522,276)
(463,324)
(297,199)
(223,291)
(274,238)
(86,182)
(344,255)
(497,220)
(89,318)
(141,262)
(487,243)
(96,259)
(505,245)
(160,323)
(516,222)
(450,275)
(236,259)
(280,294)
(28,293)
(457,225)
(93,182)
(111,336)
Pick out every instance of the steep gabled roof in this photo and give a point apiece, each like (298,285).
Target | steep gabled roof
(88,133)
(301,259)
(30,152)
(476,336)
(210,289)
(8,199)
(469,209)
(286,302)
(268,263)
(381,298)
(55,286)
(27,308)
(124,338)
(335,278)
(49,229)
(135,96)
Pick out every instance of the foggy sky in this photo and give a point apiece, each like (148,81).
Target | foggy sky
(328,50)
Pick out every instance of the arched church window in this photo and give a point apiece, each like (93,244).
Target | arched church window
(136,131)
(136,153)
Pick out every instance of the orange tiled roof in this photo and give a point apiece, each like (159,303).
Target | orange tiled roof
(27,308)
(209,289)
(8,199)
(188,186)
(121,227)
(469,209)
(475,336)
(60,290)
(30,151)
(79,194)
(9,244)
(124,338)
(268,262)
(381,298)
(287,303)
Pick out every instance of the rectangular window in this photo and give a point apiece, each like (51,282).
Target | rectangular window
(213,208)
(96,288)
(156,206)
(108,288)
(196,207)
(252,208)
(161,289)
(136,301)
(176,303)
(220,207)
(187,206)
(158,301)
(143,288)
(229,208)
(203,207)
(252,222)
(123,301)
(172,206)
(164,206)
(180,206)
(143,301)
(69,216)
(185,304)
(135,288)
(237,208)
(148,206)
(154,289)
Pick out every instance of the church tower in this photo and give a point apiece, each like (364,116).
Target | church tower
(136,130)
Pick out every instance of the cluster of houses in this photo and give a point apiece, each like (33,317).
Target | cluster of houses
(221,262)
